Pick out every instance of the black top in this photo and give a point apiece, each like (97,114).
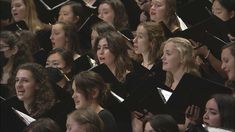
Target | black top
(81,64)
(58,112)
(109,121)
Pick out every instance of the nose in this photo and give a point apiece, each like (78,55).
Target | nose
(163,57)
(134,40)
(205,116)
(100,15)
(223,66)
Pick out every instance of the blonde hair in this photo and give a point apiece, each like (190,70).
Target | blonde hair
(31,19)
(187,57)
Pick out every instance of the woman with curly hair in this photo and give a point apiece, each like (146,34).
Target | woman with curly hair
(35,95)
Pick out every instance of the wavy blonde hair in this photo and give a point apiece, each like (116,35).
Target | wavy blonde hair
(187,57)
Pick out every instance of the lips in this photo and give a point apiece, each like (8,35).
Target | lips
(20,92)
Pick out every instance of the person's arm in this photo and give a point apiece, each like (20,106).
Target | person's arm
(215,63)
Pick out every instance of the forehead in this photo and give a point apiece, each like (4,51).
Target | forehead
(141,28)
(17,1)
(24,73)
(212,103)
(57,26)
(103,42)
(54,56)
(105,6)
(169,45)
(66,8)
(159,1)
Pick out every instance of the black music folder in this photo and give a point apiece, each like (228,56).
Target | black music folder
(17,26)
(13,120)
(53,4)
(192,90)
(105,73)
(83,63)
(208,32)
(194,11)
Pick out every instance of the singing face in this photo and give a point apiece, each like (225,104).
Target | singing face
(104,54)
(228,63)
(25,85)
(58,38)
(141,41)
(221,12)
(158,10)
(73,126)
(171,58)
(18,10)
(66,15)
(79,98)
(212,115)
(106,13)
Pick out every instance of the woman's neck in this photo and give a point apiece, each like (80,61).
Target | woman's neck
(27,105)
(146,62)
(112,68)
(177,75)
(96,107)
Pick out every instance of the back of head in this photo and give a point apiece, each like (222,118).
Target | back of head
(87,118)
(43,125)
(163,123)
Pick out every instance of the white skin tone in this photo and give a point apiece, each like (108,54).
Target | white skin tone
(25,86)
(171,58)
(104,54)
(79,99)
(148,128)
(158,10)
(219,11)
(81,102)
(8,53)
(94,35)
(66,15)
(18,10)
(106,13)
(142,44)
(212,115)
(58,38)
(73,126)
(228,63)
(172,63)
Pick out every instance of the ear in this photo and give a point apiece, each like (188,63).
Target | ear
(76,19)
(15,50)
(95,93)
(232,14)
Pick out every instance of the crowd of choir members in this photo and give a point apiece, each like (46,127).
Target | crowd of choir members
(47,70)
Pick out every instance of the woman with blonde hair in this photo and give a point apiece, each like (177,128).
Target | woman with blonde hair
(178,58)
(26,10)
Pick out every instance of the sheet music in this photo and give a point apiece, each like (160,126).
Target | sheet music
(27,119)
(213,129)
(165,95)
(120,99)
(182,24)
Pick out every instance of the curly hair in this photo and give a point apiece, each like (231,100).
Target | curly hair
(44,97)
